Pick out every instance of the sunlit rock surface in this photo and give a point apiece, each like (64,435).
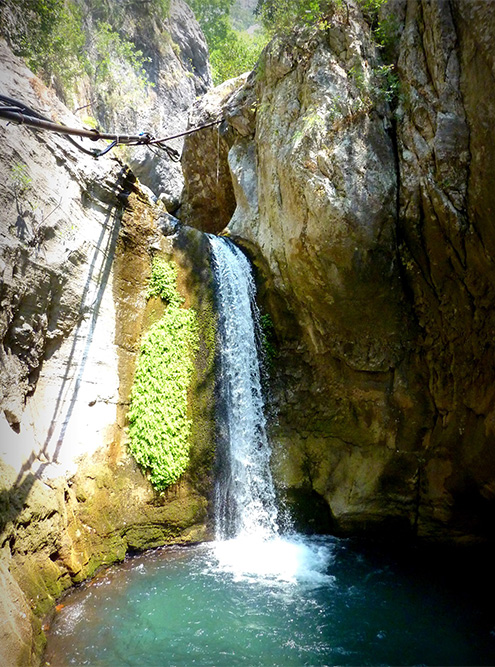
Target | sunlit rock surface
(313,169)
(149,63)
(180,72)
(76,240)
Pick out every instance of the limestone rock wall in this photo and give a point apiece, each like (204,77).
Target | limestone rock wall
(118,97)
(76,240)
(312,164)
(370,228)
(326,190)
(180,72)
(446,167)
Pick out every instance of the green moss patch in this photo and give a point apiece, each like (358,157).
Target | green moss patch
(159,427)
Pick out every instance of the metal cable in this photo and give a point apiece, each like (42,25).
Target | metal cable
(17,112)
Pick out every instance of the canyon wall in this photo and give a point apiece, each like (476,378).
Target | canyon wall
(142,65)
(362,194)
(178,71)
(361,191)
(77,237)
(446,163)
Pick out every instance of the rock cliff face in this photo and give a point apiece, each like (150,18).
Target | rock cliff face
(179,71)
(370,229)
(76,241)
(370,232)
(446,167)
(144,64)
(326,212)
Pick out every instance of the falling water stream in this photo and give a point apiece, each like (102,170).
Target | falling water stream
(259,594)
(245,498)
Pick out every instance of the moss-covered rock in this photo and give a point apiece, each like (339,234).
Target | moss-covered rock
(57,531)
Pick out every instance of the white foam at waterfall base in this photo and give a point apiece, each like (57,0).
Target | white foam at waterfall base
(250,545)
(289,559)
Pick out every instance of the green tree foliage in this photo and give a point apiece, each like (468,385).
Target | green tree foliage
(159,427)
(214,18)
(120,72)
(161,8)
(242,16)
(48,34)
(280,16)
(232,51)
(237,54)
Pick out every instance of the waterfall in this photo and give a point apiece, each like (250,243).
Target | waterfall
(249,545)
(245,497)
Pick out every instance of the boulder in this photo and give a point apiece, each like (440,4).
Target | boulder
(208,199)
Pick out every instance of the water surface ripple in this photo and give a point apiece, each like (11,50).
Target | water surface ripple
(325,602)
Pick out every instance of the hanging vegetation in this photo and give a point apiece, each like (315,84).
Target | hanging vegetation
(57,37)
(159,427)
